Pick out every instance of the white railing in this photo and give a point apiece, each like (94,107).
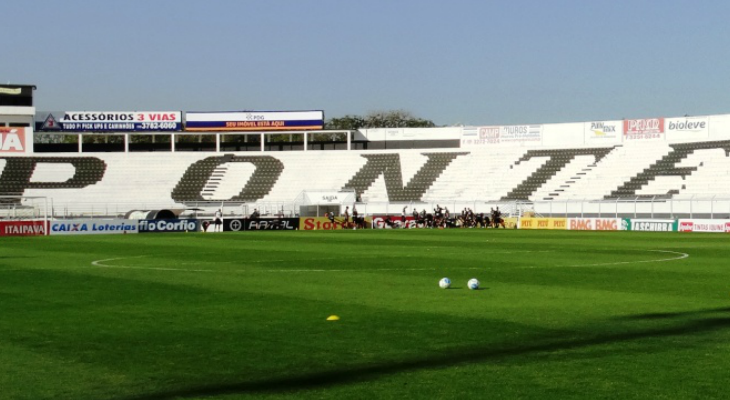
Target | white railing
(717,206)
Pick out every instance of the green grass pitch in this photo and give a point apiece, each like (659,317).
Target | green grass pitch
(561,315)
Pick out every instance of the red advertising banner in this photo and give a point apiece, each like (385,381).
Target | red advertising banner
(647,128)
(12,140)
(22,228)
(393,222)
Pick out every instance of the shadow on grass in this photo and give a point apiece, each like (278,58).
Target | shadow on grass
(469,355)
(655,316)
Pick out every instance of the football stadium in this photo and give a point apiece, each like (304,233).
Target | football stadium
(253,254)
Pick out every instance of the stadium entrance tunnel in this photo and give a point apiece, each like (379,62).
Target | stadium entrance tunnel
(152,214)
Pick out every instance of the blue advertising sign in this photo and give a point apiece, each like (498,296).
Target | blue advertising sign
(93,226)
(254,121)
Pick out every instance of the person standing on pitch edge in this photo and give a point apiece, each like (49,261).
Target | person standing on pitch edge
(218,221)
(355,220)
(331,217)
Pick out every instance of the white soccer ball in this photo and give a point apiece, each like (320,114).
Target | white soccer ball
(445,283)
(473,284)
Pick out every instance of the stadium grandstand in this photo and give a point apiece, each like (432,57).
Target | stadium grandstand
(92,164)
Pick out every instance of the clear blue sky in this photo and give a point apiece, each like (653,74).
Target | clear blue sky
(471,62)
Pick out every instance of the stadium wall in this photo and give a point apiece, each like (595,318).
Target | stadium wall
(611,132)
(549,164)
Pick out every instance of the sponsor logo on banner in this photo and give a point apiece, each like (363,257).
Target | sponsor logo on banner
(22,228)
(127,121)
(688,128)
(396,221)
(521,133)
(321,223)
(543,223)
(650,225)
(279,224)
(233,225)
(50,124)
(704,225)
(686,226)
(487,135)
(12,140)
(168,225)
(260,224)
(687,125)
(594,224)
(93,226)
(603,130)
(648,128)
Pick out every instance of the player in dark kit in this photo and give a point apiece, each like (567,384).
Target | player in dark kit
(218,221)
(330,216)
(497,218)
(387,222)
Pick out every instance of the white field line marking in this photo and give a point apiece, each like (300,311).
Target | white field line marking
(681,257)
(279,261)
(335,270)
(494,252)
(102,264)
(348,258)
